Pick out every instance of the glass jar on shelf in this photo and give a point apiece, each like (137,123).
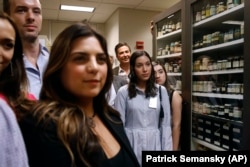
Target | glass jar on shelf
(229,63)
(221,111)
(236,2)
(230,4)
(198,16)
(237,114)
(241,62)
(172,46)
(220,7)
(236,62)
(212,10)
(237,33)
(242,30)
(203,13)
(159,52)
(207,10)
(178,25)
(227,108)
(166,66)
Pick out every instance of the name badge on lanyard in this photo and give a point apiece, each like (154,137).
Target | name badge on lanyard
(153,102)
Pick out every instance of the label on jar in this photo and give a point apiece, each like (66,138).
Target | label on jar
(237,113)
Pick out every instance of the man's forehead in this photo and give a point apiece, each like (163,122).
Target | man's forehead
(27,3)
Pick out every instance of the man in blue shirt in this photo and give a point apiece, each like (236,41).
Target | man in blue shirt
(27,15)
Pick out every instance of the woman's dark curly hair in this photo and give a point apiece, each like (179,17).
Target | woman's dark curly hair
(151,89)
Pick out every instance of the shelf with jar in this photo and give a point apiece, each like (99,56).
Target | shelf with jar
(222,13)
(218,95)
(229,30)
(221,46)
(231,71)
(217,133)
(218,123)
(169,44)
(217,73)
(169,26)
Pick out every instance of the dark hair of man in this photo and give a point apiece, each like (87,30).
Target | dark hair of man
(13,79)
(60,106)
(121,45)
(6,6)
(151,89)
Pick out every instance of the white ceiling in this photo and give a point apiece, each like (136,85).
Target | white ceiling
(103,8)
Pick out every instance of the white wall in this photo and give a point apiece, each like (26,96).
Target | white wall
(112,32)
(52,28)
(134,25)
(125,25)
(129,25)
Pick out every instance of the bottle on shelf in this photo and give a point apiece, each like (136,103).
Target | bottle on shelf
(212,10)
(227,108)
(242,30)
(237,113)
(230,4)
(221,112)
(207,10)
(178,25)
(203,13)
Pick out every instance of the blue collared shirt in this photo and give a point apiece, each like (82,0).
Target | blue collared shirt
(141,120)
(35,74)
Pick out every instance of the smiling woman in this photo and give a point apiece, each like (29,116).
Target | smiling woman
(73,125)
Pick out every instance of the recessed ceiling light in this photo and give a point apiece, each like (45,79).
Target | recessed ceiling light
(77,8)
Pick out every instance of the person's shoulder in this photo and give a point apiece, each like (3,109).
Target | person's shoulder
(163,88)
(176,95)
(115,70)
(114,115)
(123,88)
(4,105)
(118,78)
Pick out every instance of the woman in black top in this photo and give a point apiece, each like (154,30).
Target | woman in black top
(73,125)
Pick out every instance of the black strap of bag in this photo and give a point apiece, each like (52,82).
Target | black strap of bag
(161,109)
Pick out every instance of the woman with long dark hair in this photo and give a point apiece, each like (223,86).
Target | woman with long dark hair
(175,102)
(73,125)
(140,107)
(14,96)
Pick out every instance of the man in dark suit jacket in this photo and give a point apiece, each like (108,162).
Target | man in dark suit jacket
(119,81)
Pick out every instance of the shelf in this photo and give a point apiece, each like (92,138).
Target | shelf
(234,13)
(239,123)
(234,71)
(174,74)
(209,145)
(217,95)
(169,56)
(174,33)
(220,46)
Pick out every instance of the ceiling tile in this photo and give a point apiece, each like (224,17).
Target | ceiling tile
(103,8)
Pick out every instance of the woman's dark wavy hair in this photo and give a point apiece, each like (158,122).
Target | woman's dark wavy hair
(151,89)
(52,88)
(13,79)
(60,106)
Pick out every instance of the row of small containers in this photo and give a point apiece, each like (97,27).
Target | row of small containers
(220,132)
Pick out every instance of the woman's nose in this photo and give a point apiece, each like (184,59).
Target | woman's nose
(92,65)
